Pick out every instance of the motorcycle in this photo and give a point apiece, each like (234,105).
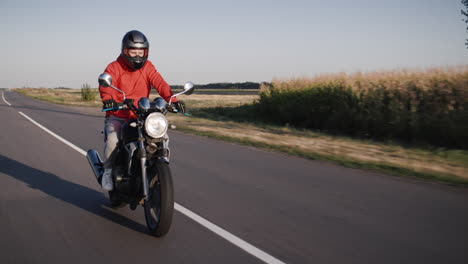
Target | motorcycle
(141,172)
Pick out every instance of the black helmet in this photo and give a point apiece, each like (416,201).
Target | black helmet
(134,40)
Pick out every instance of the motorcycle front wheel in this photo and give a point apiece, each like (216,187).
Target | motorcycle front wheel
(159,207)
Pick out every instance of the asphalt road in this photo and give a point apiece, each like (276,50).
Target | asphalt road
(296,210)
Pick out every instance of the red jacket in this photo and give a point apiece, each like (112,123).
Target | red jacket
(135,84)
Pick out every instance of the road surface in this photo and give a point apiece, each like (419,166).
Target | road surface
(284,208)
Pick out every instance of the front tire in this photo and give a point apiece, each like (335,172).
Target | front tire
(160,206)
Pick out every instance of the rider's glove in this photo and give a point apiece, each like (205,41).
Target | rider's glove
(179,106)
(128,102)
(109,104)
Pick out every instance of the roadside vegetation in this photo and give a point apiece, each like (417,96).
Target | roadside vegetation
(364,111)
(65,96)
(88,94)
(416,108)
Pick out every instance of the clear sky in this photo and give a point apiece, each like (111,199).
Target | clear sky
(69,43)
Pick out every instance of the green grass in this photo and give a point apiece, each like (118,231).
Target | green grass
(64,96)
(47,98)
(455,155)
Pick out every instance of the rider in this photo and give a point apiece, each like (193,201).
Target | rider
(133,74)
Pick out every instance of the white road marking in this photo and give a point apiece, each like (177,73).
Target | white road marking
(249,248)
(55,135)
(3,97)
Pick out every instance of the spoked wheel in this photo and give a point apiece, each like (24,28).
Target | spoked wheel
(160,205)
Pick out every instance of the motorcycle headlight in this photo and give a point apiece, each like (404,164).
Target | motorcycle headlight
(156,125)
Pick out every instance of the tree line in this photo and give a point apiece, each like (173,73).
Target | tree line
(243,85)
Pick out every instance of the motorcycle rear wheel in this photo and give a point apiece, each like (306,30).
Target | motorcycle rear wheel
(160,206)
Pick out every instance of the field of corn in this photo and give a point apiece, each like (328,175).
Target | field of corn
(427,107)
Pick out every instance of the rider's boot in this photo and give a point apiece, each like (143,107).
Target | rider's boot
(106,182)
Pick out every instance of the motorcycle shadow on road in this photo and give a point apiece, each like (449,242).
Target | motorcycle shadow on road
(72,193)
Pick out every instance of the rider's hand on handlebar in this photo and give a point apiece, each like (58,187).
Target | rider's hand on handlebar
(179,106)
(111,103)
(128,102)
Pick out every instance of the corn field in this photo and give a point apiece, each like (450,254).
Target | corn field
(411,106)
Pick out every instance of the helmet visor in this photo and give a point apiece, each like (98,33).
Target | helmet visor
(136,53)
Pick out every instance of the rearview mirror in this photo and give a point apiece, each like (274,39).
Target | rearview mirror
(188,88)
(105,80)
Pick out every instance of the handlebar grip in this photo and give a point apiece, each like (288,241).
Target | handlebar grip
(112,109)
(175,111)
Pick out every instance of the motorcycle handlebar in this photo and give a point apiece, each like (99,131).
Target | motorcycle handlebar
(112,109)
(125,107)
(119,106)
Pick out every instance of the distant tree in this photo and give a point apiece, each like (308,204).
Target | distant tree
(465,13)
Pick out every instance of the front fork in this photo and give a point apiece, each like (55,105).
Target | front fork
(144,177)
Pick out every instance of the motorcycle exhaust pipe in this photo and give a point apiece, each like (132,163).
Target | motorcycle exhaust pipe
(96,164)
